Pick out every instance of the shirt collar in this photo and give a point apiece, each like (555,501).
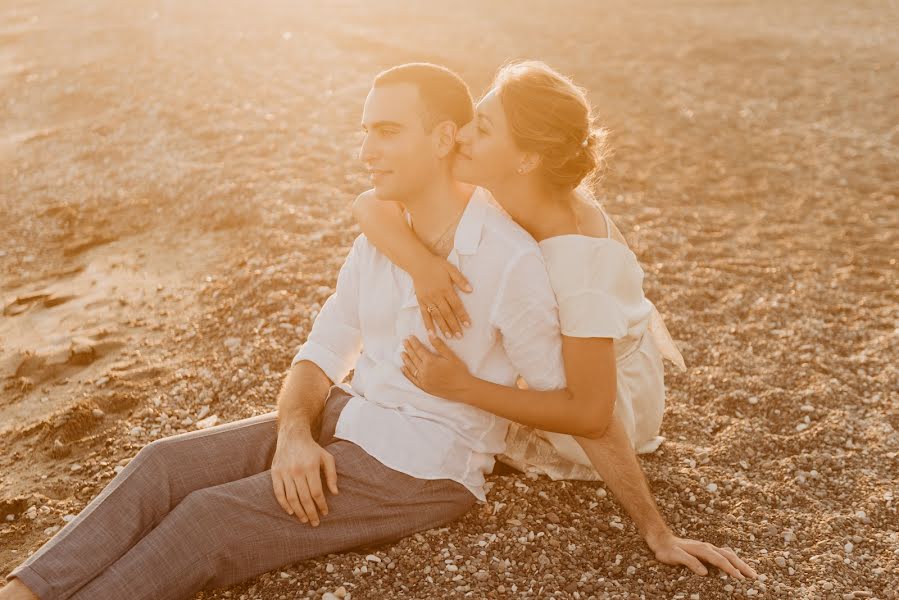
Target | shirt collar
(465,242)
(471,224)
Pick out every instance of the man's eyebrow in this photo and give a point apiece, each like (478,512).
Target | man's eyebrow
(379,124)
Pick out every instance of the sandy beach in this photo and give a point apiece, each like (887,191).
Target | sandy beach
(175,189)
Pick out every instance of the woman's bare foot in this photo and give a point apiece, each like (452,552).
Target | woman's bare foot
(16,590)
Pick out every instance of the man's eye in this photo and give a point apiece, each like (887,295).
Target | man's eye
(482,130)
(388,132)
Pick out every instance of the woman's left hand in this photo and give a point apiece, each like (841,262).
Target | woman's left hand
(442,374)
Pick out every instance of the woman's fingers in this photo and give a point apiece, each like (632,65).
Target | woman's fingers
(710,555)
(442,348)
(691,561)
(458,278)
(412,363)
(738,562)
(426,317)
(438,318)
(446,311)
(458,309)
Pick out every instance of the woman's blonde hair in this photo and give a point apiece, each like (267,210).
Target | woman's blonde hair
(550,115)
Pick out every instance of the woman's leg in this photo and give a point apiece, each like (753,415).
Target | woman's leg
(156,480)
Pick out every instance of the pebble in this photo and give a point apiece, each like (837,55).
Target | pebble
(373,558)
(712,487)
(848,547)
(329,568)
(97,412)
(781,561)
(601,492)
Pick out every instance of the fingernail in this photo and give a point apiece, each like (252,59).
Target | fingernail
(458,335)
(467,324)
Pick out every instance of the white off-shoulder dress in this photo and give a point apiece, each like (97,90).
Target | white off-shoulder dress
(598,284)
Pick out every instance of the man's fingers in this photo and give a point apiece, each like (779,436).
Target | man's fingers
(330,468)
(278,488)
(458,278)
(317,494)
(302,484)
(293,498)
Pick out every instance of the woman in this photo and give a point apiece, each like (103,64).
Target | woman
(531,145)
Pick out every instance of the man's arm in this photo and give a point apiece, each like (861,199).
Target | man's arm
(330,352)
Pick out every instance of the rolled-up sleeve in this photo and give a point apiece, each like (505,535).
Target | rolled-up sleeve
(335,341)
(526,313)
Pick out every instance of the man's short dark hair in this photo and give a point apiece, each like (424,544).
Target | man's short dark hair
(445,95)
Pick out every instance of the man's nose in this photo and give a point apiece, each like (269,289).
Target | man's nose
(367,151)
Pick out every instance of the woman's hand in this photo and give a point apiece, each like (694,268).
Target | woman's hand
(442,374)
(434,286)
(673,550)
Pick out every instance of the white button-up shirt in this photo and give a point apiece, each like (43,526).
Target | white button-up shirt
(515,330)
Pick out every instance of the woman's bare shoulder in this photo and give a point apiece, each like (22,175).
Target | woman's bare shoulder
(590,219)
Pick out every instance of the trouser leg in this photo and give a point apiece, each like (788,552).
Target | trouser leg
(155,481)
(221,535)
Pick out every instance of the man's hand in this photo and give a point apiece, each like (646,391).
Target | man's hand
(673,550)
(296,475)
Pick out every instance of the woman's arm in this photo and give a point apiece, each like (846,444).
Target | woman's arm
(383,224)
(584,408)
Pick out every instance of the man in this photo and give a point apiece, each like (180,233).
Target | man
(211,508)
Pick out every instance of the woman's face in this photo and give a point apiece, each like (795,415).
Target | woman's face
(486,153)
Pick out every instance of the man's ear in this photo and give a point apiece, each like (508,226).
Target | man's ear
(445,138)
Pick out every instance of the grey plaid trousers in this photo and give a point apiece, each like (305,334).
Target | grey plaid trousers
(196,511)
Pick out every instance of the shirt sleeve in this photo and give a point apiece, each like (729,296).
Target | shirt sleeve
(526,314)
(335,341)
(604,294)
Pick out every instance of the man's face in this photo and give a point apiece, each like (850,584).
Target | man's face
(397,152)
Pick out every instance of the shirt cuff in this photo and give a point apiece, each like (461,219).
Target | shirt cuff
(334,367)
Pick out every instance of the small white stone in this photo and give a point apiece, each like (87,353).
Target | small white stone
(207,422)
(452,568)
(68,518)
(329,568)
(848,547)
(712,487)
(631,570)
(75,467)
(373,558)
(601,492)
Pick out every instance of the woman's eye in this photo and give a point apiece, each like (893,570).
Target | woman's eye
(482,130)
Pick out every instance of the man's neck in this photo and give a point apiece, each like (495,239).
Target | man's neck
(435,207)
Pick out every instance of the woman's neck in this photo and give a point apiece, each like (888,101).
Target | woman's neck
(540,210)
